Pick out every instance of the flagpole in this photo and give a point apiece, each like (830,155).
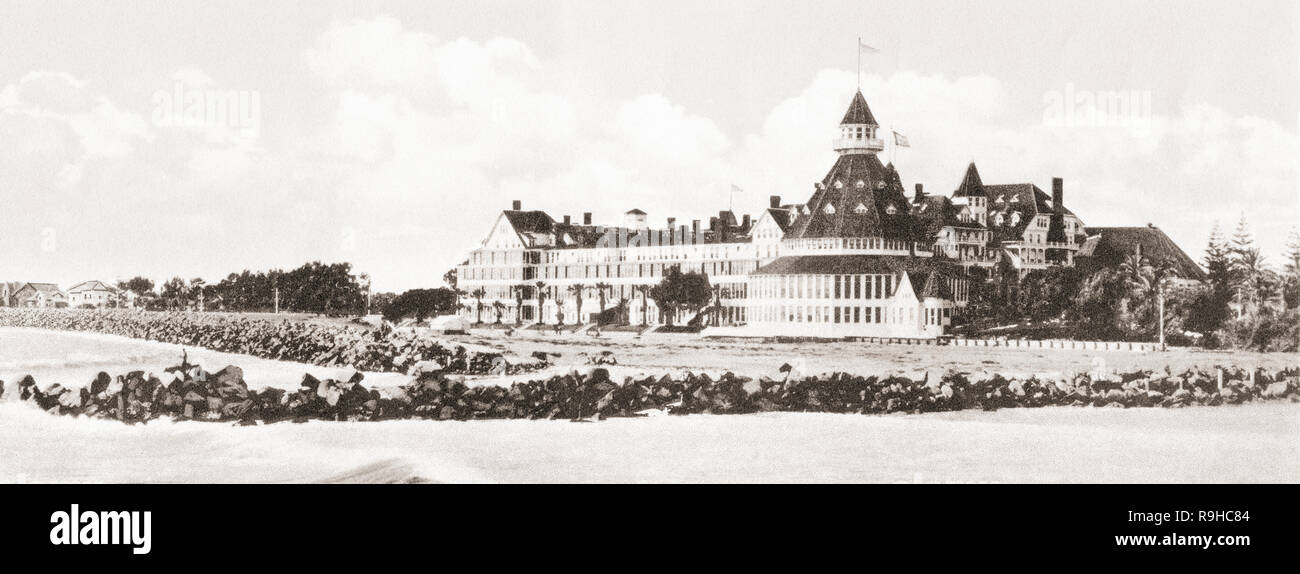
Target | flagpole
(859,63)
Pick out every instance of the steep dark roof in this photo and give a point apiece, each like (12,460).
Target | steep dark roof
(858,112)
(853,265)
(635,211)
(782,217)
(1023,198)
(879,190)
(530,221)
(1107,247)
(971,185)
(935,212)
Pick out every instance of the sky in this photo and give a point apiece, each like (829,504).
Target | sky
(195,139)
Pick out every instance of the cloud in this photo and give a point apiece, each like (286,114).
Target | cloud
(417,142)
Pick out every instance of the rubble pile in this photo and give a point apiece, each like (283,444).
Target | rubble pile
(188,392)
(304,342)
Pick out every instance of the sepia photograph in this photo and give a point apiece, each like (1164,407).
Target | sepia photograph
(867,242)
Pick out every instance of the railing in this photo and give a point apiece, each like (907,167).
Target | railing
(853,245)
(873,144)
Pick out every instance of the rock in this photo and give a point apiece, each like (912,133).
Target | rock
(1278,389)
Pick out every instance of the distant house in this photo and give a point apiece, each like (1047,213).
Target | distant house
(94,293)
(39,295)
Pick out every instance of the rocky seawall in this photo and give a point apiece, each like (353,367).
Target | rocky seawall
(188,392)
(313,343)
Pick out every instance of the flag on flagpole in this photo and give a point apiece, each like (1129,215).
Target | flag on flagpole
(865,49)
(736,188)
(900,140)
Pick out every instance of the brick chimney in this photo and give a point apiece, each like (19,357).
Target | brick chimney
(745,222)
(774,201)
(1058,192)
(516,205)
(695,230)
(671,221)
(586,218)
(566,220)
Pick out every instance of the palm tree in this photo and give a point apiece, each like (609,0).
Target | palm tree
(540,285)
(645,305)
(519,303)
(500,308)
(478,295)
(576,289)
(601,289)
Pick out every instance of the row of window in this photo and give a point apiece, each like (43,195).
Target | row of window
(844,314)
(823,286)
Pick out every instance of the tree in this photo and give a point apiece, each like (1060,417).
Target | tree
(576,289)
(541,295)
(644,290)
(500,309)
(679,291)
(601,290)
(421,304)
(1211,309)
(175,292)
(520,292)
(138,285)
(478,295)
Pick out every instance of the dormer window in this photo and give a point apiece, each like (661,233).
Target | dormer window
(1001,199)
(839,184)
(829,209)
(1015,218)
(860,184)
(997,220)
(891,209)
(1015,199)
(860,209)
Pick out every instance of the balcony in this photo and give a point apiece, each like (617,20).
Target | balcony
(853,246)
(864,144)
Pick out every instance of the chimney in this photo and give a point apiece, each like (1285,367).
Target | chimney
(1058,191)
(745,223)
(695,230)
(920,191)
(774,201)
(566,220)
(586,218)
(516,205)
(671,221)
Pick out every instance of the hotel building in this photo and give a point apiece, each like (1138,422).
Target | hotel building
(857,259)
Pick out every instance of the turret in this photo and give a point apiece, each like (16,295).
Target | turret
(858,129)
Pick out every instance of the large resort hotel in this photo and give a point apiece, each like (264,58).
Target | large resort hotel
(857,259)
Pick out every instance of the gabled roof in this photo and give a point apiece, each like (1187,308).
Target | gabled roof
(635,211)
(46,288)
(971,185)
(1107,247)
(530,221)
(91,286)
(935,212)
(782,217)
(858,112)
(854,265)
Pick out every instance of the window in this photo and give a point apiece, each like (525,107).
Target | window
(829,209)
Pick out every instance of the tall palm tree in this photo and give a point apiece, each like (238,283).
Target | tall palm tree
(478,295)
(576,289)
(519,303)
(500,308)
(644,290)
(541,295)
(601,290)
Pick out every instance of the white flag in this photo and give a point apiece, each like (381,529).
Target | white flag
(900,140)
(865,49)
